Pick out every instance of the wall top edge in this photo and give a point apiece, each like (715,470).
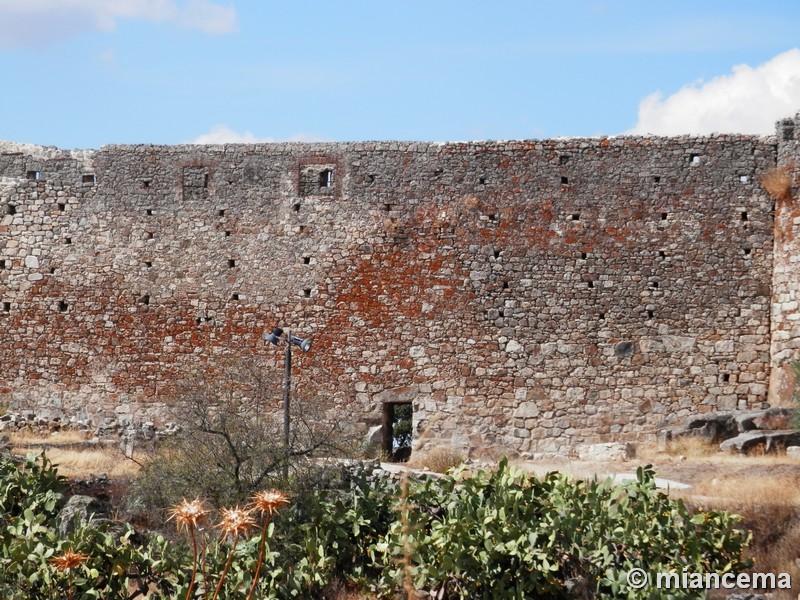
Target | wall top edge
(52,152)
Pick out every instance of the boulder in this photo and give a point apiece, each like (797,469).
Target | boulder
(608,452)
(78,511)
(715,427)
(793,451)
(770,441)
(776,418)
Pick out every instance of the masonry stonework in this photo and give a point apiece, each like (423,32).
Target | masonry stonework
(524,296)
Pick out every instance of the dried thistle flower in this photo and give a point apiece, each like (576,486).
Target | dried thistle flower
(189,514)
(269,501)
(68,560)
(235,521)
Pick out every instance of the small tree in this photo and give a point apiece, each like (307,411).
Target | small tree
(231,441)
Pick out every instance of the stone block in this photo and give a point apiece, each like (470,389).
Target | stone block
(765,441)
(606,452)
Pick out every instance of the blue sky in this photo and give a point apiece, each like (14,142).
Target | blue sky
(83,73)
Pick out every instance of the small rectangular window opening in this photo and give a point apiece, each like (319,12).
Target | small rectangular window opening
(68,240)
(726,377)
(145,300)
(221,212)
(148,263)
(62,207)
(662,254)
(33,175)
(145,184)
(231,263)
(307,293)
(149,212)
(482,180)
(302,229)
(584,255)
(564,180)
(654,285)
(306,260)
(296,207)
(11,209)
(649,314)
(149,235)
(6,306)
(744,216)
(235,297)
(590,283)
(387,207)
(496,253)
(492,217)
(694,159)
(398,430)
(656,178)
(88,178)
(575,216)
(506,285)
(664,216)
(3,264)
(563,159)
(326,178)
(747,251)
(601,316)
(227,234)
(63,306)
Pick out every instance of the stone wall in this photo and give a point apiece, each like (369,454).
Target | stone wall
(786,275)
(523,295)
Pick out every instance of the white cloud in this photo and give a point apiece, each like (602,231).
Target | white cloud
(749,100)
(222,134)
(38,22)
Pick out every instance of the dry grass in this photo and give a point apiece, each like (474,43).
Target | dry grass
(778,183)
(438,459)
(68,436)
(769,507)
(80,464)
(471,202)
(692,447)
(75,462)
(699,450)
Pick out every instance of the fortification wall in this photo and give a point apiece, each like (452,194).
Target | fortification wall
(523,295)
(786,276)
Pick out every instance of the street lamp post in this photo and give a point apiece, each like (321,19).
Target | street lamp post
(304,344)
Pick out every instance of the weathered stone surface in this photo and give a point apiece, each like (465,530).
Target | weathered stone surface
(775,418)
(767,441)
(793,451)
(717,427)
(77,511)
(374,435)
(714,427)
(460,272)
(607,452)
(399,394)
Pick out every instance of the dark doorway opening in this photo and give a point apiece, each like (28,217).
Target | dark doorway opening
(397,430)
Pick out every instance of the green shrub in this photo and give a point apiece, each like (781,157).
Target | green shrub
(499,534)
(507,535)
(106,564)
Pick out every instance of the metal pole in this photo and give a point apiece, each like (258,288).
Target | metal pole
(287,387)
